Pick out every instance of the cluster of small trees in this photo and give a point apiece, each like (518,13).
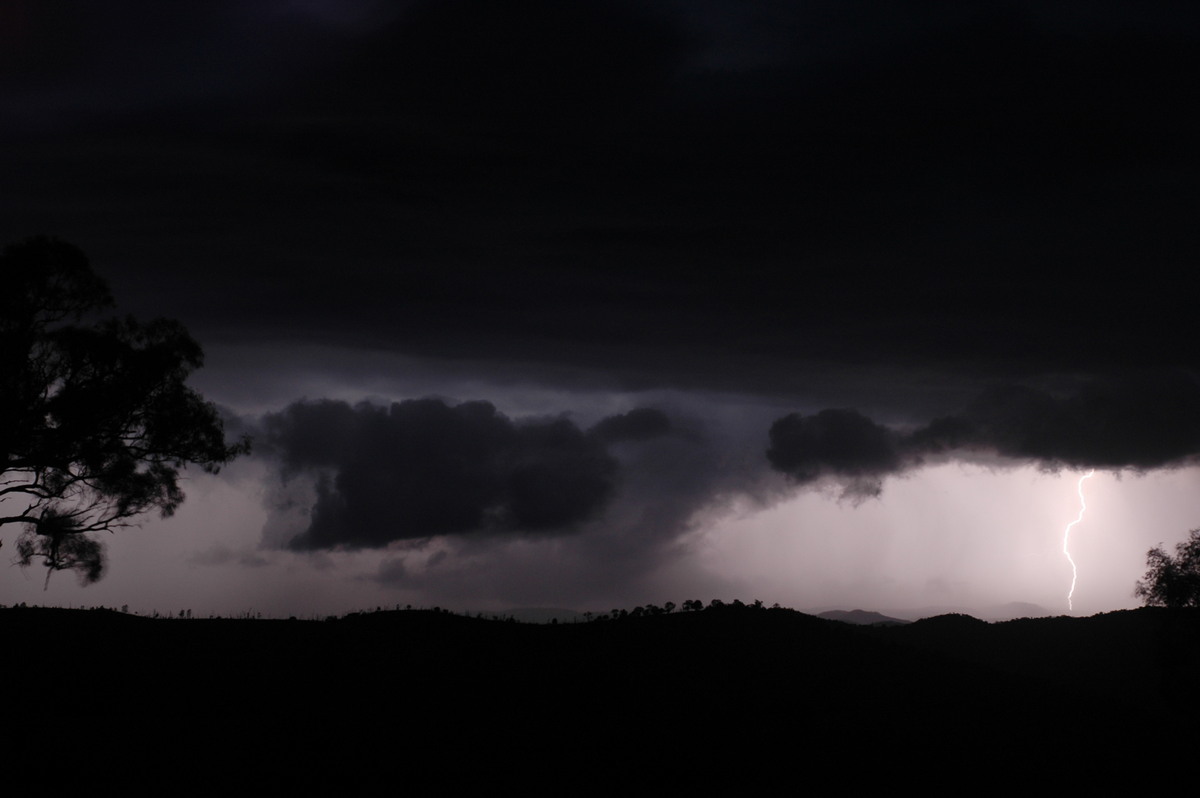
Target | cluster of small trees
(690,605)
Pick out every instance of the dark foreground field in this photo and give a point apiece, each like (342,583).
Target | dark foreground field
(723,690)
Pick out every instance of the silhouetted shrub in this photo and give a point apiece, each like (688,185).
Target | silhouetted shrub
(1172,581)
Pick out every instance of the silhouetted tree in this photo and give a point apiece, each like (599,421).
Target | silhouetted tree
(1172,581)
(95,418)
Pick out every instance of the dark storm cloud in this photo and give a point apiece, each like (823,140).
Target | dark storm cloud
(64,61)
(670,483)
(641,424)
(537,65)
(665,194)
(423,468)
(835,443)
(1138,422)
(484,505)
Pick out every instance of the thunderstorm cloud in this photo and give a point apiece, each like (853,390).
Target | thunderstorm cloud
(424,468)
(1134,422)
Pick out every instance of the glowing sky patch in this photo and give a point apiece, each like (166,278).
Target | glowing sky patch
(952,536)
(946,538)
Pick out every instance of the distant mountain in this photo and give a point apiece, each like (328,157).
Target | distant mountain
(862,617)
(995,612)
(1015,609)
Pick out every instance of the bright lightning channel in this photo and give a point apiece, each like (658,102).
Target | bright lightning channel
(1067,537)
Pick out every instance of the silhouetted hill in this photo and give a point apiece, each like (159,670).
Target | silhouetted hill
(995,612)
(704,689)
(1015,609)
(859,617)
(544,615)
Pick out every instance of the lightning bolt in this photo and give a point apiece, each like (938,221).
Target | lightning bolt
(1067,537)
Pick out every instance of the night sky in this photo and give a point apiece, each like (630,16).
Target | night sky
(593,304)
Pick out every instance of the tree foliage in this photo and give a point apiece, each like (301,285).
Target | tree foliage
(97,420)
(1172,581)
